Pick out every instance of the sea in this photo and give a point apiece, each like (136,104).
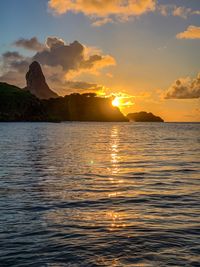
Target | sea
(99,194)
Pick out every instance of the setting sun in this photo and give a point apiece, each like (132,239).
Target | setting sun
(116,102)
(122,100)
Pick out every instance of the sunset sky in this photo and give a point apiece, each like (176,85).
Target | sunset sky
(145,51)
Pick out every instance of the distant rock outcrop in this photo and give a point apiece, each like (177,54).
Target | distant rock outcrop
(36,82)
(144,117)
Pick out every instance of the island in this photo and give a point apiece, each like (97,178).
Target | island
(144,117)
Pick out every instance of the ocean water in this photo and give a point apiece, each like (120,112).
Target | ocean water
(99,194)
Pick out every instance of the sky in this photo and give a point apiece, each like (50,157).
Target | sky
(145,52)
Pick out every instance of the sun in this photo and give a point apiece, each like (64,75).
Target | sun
(122,101)
(116,102)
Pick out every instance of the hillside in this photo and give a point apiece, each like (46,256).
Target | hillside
(20,105)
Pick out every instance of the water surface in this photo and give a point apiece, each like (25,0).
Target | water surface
(99,194)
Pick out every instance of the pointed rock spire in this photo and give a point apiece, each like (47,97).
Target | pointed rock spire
(36,82)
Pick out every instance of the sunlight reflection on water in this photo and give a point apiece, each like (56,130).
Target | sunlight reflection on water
(99,194)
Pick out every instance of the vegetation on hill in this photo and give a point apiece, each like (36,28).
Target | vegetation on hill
(85,107)
(20,105)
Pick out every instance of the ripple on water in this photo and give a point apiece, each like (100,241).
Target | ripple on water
(99,194)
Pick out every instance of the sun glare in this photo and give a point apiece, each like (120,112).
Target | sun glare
(116,102)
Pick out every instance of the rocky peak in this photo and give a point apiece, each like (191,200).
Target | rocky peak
(36,82)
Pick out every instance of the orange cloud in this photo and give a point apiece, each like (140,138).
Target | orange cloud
(192,32)
(97,64)
(119,8)
(108,11)
(184,88)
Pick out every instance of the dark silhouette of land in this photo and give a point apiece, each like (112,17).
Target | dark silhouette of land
(37,102)
(85,107)
(144,117)
(20,105)
(36,82)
